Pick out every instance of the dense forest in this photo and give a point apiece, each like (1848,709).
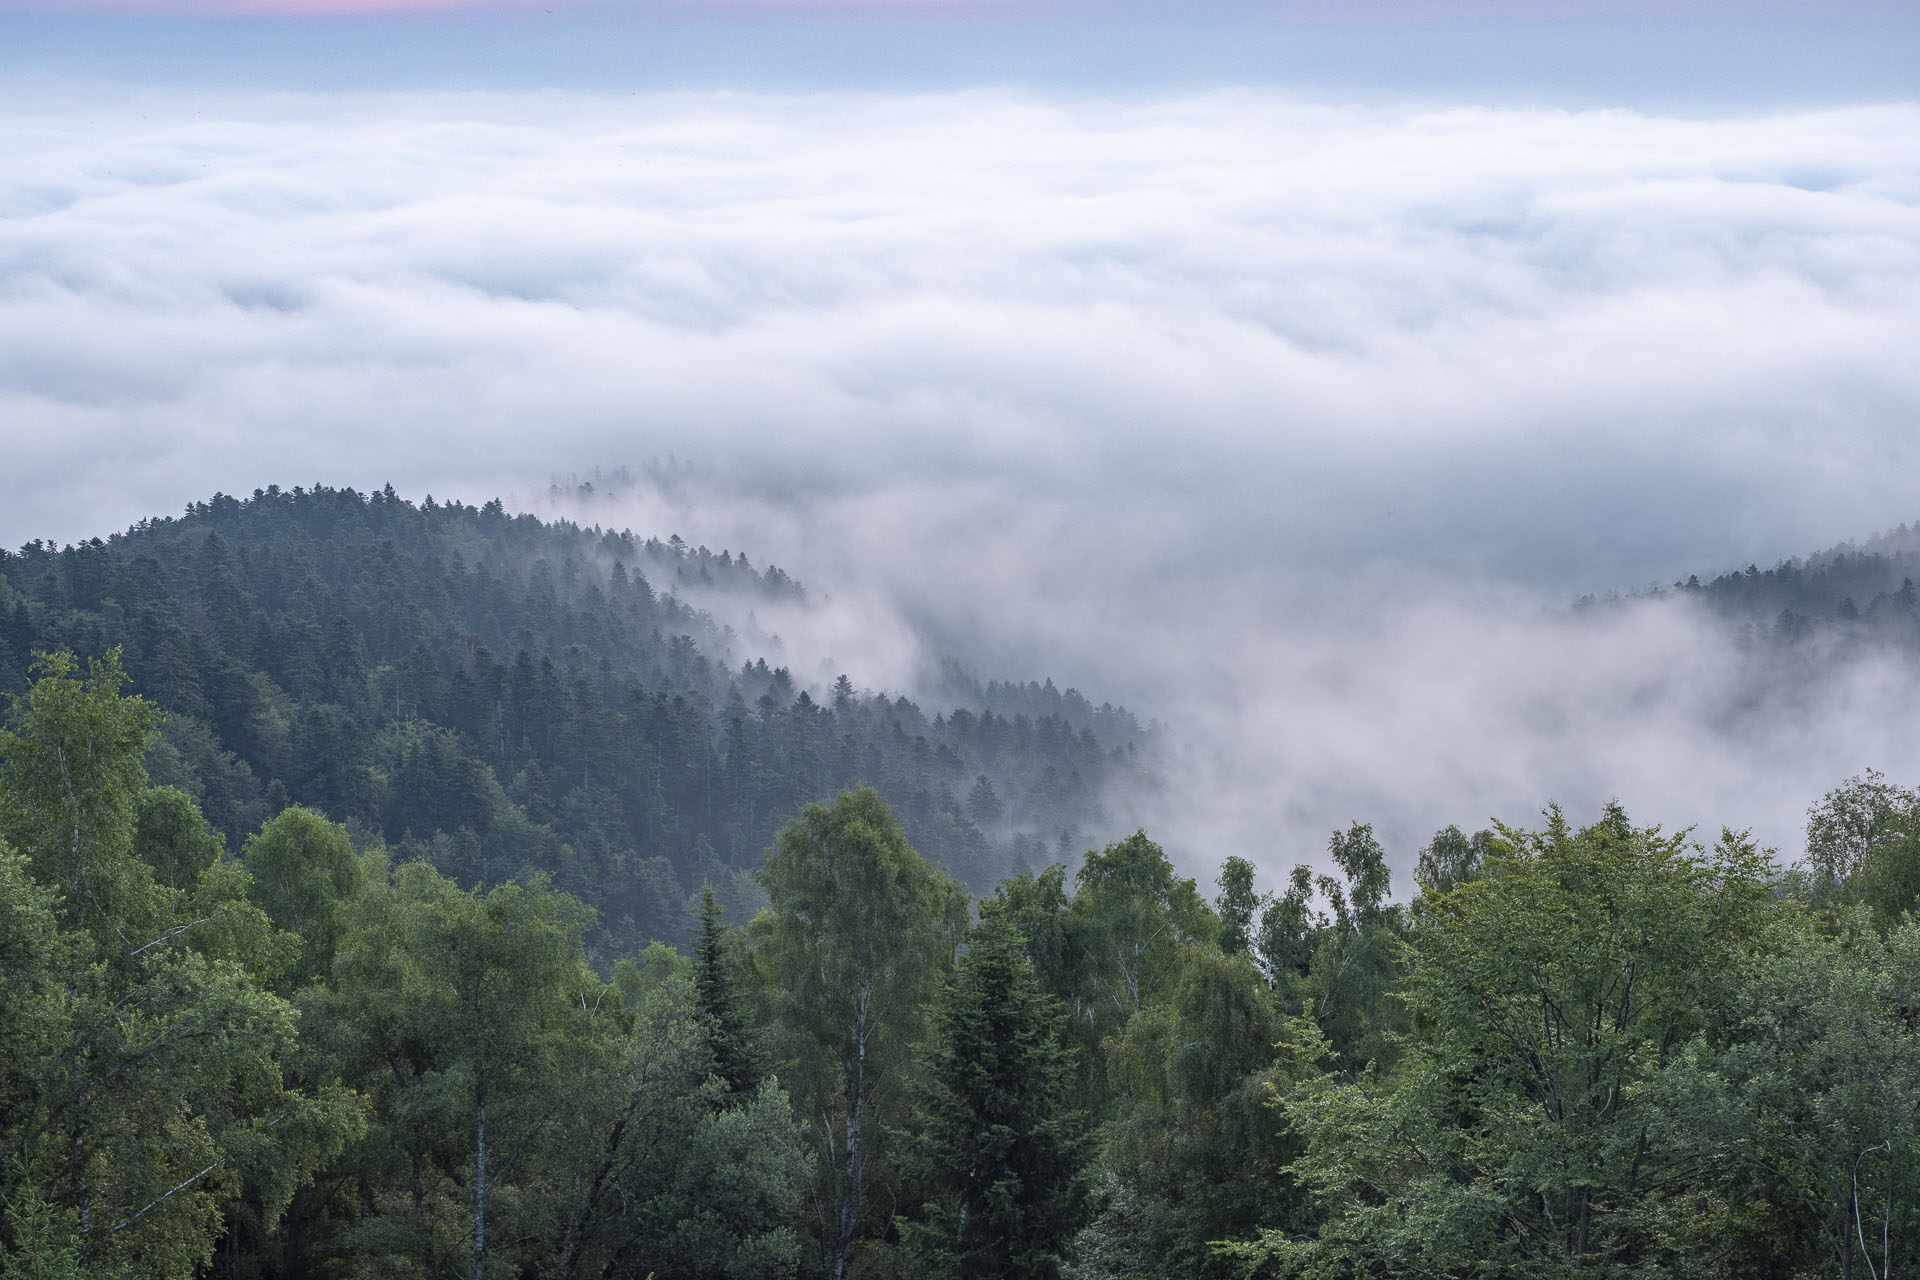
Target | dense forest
(1587,1048)
(500,695)
(334,945)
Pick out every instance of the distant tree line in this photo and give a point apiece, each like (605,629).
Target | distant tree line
(1598,1049)
(1851,597)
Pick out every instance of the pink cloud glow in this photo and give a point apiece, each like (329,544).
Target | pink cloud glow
(308,8)
(265,8)
(1314,11)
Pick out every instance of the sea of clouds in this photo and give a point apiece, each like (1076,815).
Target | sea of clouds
(1293,424)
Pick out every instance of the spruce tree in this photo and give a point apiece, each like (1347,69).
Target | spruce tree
(999,1153)
(735,1056)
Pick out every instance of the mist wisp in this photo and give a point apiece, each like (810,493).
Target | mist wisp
(1291,700)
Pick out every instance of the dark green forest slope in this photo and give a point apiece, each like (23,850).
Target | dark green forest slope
(501,695)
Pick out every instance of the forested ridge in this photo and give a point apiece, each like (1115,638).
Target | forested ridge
(1855,594)
(287,1045)
(502,695)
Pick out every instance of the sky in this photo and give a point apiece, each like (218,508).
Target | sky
(1351,11)
(1281,373)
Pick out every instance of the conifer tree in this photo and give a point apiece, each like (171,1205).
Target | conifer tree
(735,1056)
(999,1149)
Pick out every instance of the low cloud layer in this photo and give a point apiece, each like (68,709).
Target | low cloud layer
(1281,420)
(1297,697)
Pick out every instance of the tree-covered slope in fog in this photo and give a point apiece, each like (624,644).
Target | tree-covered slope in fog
(1859,594)
(507,695)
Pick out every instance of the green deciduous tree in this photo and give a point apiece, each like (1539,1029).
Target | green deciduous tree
(71,777)
(859,933)
(1238,906)
(1863,845)
(1352,982)
(173,839)
(1516,1135)
(1193,1153)
(470,1021)
(1452,857)
(1804,1114)
(306,876)
(143,1091)
(1135,915)
(684,1178)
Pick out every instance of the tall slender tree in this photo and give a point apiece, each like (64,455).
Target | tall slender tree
(860,931)
(736,1058)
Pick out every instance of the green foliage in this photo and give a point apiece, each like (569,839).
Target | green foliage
(1193,1154)
(1546,993)
(736,1056)
(1034,905)
(70,778)
(1863,846)
(38,1236)
(1111,949)
(1602,1050)
(1803,1119)
(306,877)
(467,1019)
(171,837)
(1451,858)
(1332,948)
(681,1177)
(1284,946)
(1238,906)
(998,1153)
(143,1088)
(45,1238)
(1133,917)
(858,935)
(1352,983)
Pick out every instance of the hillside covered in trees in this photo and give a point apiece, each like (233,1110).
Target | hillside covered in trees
(1855,595)
(501,695)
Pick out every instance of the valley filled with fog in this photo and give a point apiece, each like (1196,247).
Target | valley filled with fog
(1290,700)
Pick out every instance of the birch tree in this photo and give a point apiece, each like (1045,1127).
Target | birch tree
(471,1021)
(143,1082)
(859,933)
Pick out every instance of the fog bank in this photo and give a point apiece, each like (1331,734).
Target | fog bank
(1295,698)
(1292,424)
